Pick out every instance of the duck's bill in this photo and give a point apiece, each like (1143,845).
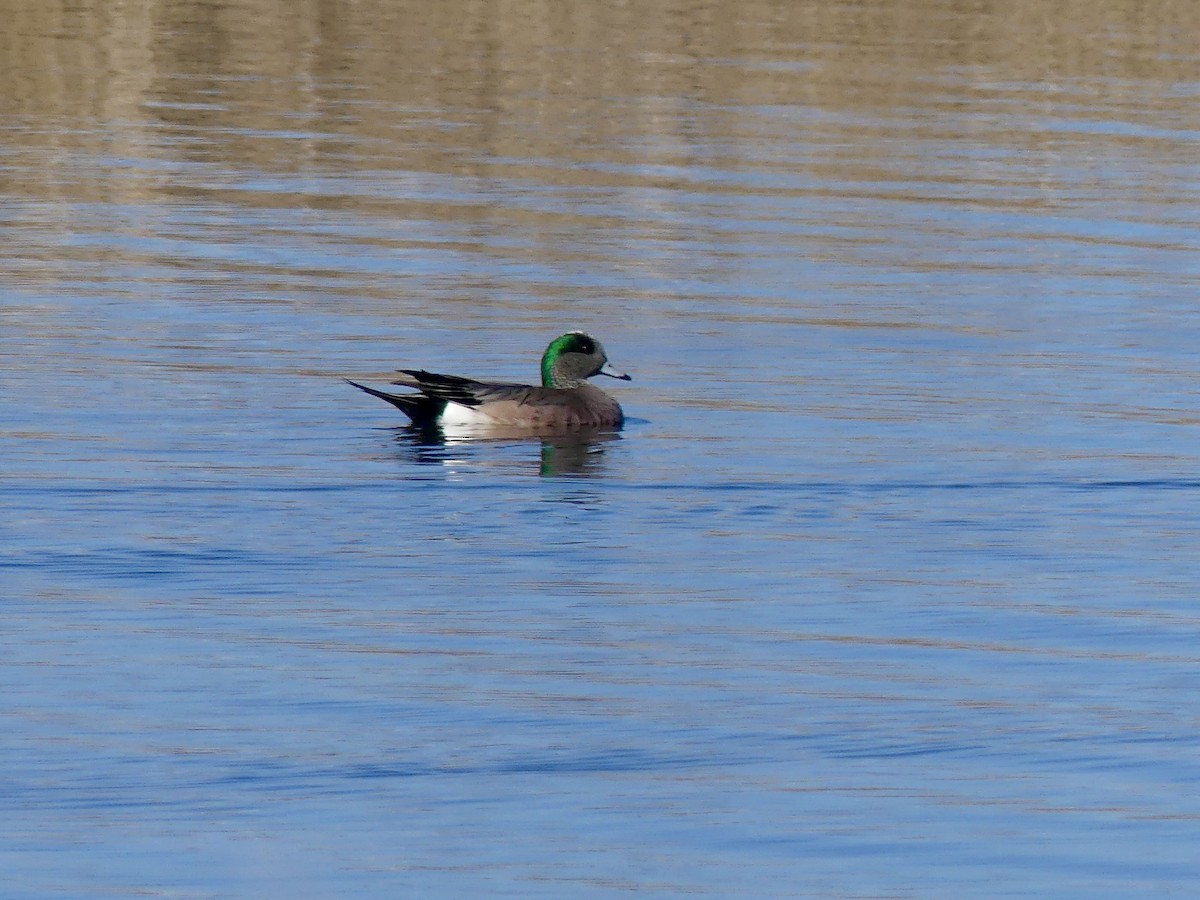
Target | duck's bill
(608,370)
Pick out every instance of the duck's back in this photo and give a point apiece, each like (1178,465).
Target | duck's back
(584,406)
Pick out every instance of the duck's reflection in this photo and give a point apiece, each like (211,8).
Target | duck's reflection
(575,452)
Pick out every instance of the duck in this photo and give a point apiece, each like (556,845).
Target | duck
(565,401)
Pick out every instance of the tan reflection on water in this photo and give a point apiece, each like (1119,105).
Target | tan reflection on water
(548,79)
(157,103)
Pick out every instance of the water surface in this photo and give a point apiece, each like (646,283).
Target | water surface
(887,588)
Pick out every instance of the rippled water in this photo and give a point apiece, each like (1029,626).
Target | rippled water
(887,588)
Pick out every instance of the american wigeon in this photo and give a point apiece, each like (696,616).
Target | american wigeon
(564,401)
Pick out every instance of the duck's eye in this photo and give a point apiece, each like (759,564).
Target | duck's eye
(585,346)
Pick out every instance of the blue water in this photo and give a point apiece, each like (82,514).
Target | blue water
(887,588)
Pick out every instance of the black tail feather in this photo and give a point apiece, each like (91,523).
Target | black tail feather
(451,388)
(418,407)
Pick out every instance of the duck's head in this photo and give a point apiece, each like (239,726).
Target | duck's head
(573,358)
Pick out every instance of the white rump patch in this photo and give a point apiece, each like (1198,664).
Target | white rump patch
(457,414)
